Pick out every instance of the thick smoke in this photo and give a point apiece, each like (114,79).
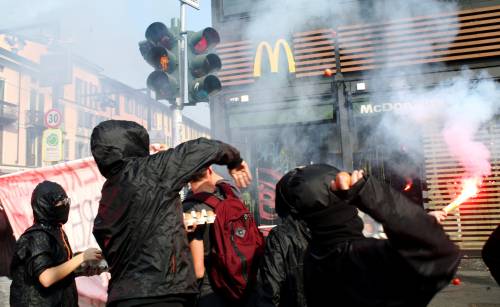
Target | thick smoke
(457,107)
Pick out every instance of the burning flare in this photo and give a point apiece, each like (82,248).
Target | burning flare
(470,188)
(409,184)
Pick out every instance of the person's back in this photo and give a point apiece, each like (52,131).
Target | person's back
(280,278)
(212,193)
(342,267)
(201,244)
(139,223)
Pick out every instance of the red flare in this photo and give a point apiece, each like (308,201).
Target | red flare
(409,184)
(470,188)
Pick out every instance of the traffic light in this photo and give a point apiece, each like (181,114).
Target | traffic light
(160,51)
(202,64)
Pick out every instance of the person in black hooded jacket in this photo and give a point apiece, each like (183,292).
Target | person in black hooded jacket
(139,224)
(43,263)
(491,254)
(280,281)
(342,267)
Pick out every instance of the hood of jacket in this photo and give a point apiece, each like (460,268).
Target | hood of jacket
(113,141)
(306,193)
(43,201)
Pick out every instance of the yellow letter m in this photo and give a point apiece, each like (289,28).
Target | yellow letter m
(273,55)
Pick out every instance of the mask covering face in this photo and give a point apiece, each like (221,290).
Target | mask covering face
(61,210)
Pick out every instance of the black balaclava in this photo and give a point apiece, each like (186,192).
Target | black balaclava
(306,192)
(43,201)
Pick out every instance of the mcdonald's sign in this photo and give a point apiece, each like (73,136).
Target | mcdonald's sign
(273,55)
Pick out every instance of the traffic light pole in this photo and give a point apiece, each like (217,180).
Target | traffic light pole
(183,71)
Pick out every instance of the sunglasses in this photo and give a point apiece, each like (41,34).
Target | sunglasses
(63,202)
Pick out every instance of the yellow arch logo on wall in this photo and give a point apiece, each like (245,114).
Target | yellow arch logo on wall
(273,55)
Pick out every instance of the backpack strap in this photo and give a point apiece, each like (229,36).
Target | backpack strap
(227,189)
(207,198)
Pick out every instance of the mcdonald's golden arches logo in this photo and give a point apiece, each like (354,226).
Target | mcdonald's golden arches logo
(273,55)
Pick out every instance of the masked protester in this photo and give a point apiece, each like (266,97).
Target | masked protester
(342,267)
(281,276)
(7,242)
(491,254)
(43,263)
(139,225)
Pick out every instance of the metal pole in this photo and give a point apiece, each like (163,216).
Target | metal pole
(345,131)
(179,103)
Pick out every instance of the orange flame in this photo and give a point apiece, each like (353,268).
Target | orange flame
(470,188)
(409,184)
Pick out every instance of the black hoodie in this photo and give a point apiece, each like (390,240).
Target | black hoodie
(343,268)
(139,225)
(42,246)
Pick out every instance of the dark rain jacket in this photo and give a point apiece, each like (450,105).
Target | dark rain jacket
(491,254)
(281,276)
(42,246)
(7,241)
(139,224)
(407,270)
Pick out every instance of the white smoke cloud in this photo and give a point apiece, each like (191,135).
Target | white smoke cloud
(460,106)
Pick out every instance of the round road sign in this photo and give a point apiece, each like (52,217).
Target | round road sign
(53,118)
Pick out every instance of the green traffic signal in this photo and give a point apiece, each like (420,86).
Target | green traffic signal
(201,88)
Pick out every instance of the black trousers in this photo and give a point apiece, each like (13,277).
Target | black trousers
(163,301)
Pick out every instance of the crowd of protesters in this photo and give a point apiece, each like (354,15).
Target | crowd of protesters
(317,256)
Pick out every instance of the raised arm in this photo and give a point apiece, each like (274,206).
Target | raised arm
(177,165)
(411,231)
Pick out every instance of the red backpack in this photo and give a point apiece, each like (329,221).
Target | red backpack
(237,244)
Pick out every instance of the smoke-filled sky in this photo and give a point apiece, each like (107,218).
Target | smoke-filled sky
(106,32)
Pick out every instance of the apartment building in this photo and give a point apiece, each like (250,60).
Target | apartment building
(36,79)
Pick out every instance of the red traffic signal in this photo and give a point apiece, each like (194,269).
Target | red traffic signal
(203,40)
(202,64)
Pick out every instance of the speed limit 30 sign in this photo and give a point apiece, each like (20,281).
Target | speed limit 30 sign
(53,118)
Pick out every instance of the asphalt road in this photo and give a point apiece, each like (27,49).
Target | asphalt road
(476,289)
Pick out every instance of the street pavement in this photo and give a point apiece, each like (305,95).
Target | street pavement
(476,289)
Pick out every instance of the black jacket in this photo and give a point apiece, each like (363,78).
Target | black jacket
(491,254)
(42,246)
(281,276)
(139,224)
(406,270)
(7,241)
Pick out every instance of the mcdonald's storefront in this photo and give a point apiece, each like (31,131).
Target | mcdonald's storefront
(283,110)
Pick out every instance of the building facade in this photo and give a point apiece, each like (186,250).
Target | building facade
(317,94)
(35,79)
